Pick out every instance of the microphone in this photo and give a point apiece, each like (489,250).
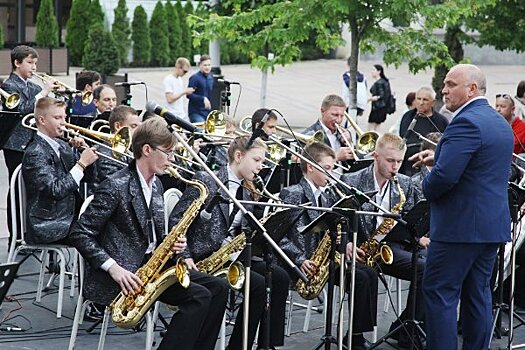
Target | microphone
(206,213)
(153,107)
(410,127)
(129,83)
(227,82)
(258,132)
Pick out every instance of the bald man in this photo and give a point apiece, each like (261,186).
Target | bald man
(467,191)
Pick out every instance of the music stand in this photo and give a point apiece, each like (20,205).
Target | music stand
(7,276)
(329,221)
(8,120)
(83,121)
(417,224)
(359,164)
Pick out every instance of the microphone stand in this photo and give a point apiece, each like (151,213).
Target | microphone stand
(248,248)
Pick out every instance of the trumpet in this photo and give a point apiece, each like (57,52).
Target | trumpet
(11,100)
(366,141)
(86,97)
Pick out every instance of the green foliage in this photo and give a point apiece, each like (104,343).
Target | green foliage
(174,33)
(46,25)
(76,34)
(101,58)
(96,15)
(184,12)
(160,55)
(121,31)
(140,38)
(501,25)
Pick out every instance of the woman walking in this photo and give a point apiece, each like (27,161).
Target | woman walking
(380,94)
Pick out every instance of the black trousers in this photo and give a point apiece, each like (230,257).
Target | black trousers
(201,309)
(401,267)
(365,297)
(12,160)
(280,283)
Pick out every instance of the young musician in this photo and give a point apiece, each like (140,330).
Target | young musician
(388,157)
(199,105)
(300,248)
(52,175)
(116,237)
(87,81)
(207,236)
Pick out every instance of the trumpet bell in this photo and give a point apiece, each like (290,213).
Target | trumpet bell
(87,98)
(215,124)
(121,142)
(11,100)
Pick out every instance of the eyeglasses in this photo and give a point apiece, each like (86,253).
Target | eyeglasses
(169,154)
(505,96)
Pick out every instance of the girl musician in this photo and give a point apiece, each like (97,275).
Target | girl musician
(207,236)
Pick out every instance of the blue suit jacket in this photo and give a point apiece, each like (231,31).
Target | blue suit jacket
(467,187)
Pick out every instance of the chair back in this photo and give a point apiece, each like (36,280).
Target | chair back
(18,226)
(171,197)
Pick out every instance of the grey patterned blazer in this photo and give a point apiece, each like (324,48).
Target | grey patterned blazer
(205,237)
(316,127)
(52,193)
(297,246)
(363,180)
(21,136)
(115,226)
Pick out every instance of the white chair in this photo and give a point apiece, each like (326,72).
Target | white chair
(17,187)
(390,280)
(308,306)
(171,197)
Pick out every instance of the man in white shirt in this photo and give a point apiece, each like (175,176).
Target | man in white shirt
(174,89)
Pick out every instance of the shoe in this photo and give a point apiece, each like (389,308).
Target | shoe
(94,312)
(363,346)
(404,343)
(358,342)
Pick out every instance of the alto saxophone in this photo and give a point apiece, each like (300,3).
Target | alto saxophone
(127,311)
(234,273)
(320,258)
(375,250)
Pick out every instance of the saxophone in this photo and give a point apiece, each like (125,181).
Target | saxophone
(375,250)
(127,311)
(213,264)
(320,258)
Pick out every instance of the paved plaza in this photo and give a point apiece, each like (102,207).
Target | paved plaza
(296,91)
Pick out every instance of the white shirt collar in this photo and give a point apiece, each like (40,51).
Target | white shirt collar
(325,129)
(232,177)
(466,104)
(147,188)
(52,142)
(315,190)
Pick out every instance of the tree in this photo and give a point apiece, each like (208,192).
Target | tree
(285,24)
(174,33)
(101,58)
(140,37)
(76,33)
(46,25)
(160,55)
(121,31)
(96,15)
(184,13)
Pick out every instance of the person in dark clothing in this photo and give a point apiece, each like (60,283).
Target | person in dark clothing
(381,92)
(427,121)
(199,105)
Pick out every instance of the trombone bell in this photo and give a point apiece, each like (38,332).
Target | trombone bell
(11,100)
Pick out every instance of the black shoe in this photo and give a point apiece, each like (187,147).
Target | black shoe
(94,312)
(359,342)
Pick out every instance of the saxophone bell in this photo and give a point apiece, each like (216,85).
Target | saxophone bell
(233,274)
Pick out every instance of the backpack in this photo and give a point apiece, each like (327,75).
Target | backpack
(391,104)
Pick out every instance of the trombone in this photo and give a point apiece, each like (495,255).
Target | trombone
(366,141)
(120,141)
(86,97)
(11,100)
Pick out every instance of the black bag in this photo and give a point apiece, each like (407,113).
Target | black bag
(391,104)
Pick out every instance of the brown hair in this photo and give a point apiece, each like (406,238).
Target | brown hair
(153,132)
(43,105)
(20,52)
(432,136)
(120,114)
(98,91)
(204,58)
(332,100)
(86,77)
(314,152)
(259,114)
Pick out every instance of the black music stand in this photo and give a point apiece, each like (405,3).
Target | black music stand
(83,121)
(324,222)
(8,120)
(7,276)
(359,164)
(417,225)
(516,200)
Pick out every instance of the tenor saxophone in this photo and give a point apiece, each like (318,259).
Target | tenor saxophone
(375,250)
(127,311)
(234,273)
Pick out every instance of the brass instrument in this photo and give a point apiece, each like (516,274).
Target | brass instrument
(375,250)
(127,311)
(100,125)
(346,140)
(318,136)
(214,264)
(366,141)
(120,141)
(86,97)
(321,259)
(11,100)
